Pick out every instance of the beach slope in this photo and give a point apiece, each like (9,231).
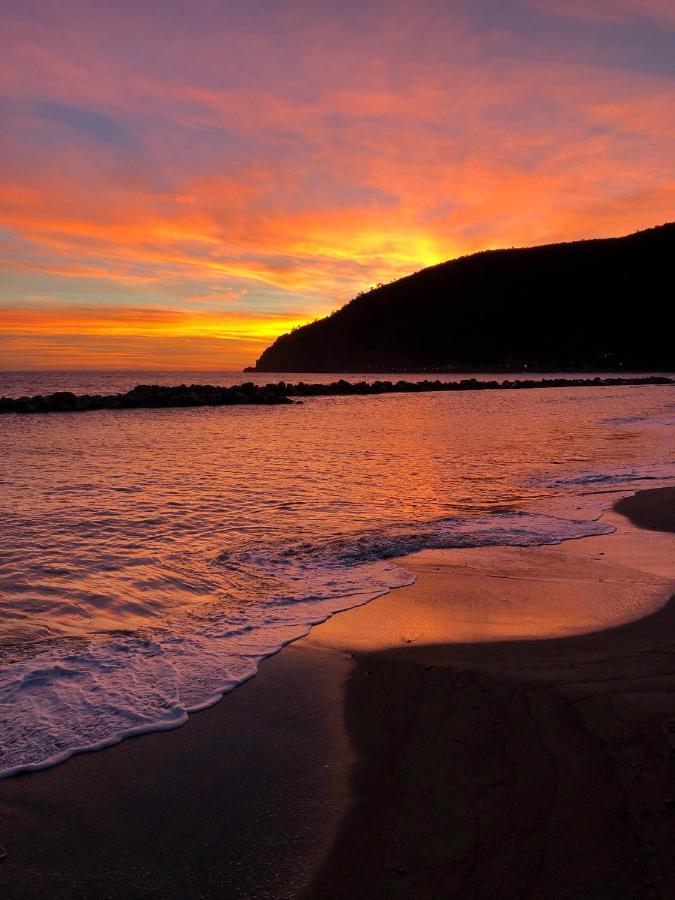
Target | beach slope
(519,768)
(375,758)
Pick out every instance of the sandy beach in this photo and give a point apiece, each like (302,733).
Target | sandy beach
(519,768)
(337,484)
(458,737)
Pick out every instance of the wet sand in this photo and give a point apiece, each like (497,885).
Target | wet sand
(517,768)
(377,759)
(243,801)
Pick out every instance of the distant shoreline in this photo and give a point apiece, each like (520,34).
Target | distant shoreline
(468,370)
(181,396)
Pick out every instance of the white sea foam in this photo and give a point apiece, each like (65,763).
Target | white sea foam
(148,567)
(628,476)
(83,694)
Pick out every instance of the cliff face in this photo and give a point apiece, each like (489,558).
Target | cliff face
(599,304)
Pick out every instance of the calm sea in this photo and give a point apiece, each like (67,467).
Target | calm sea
(150,558)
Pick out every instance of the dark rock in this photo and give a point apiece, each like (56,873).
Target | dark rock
(157,396)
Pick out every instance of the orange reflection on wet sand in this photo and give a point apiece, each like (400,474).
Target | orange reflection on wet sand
(485,594)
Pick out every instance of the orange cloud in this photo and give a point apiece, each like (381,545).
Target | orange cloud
(289,161)
(58,336)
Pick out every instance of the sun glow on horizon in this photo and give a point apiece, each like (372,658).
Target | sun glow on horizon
(60,335)
(163,205)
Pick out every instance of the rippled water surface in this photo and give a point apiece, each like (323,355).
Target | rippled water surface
(150,558)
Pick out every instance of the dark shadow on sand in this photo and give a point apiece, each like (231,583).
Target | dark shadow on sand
(538,768)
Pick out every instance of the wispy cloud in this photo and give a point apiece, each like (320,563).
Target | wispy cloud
(289,160)
(659,12)
(60,335)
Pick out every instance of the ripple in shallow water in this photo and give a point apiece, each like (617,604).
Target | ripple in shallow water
(150,559)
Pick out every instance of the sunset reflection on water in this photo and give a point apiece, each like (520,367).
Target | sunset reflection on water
(153,557)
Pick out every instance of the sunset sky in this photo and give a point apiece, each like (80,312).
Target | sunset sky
(180,182)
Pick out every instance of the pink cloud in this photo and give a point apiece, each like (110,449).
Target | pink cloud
(310,162)
(661,12)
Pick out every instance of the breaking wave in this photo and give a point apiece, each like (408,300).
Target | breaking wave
(62,696)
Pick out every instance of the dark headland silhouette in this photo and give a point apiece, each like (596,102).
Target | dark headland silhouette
(594,305)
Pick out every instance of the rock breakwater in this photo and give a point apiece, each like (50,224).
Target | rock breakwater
(145,396)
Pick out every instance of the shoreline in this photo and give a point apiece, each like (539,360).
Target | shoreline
(517,768)
(243,801)
(404,562)
(253,797)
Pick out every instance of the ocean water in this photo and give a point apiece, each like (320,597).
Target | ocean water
(82,381)
(149,559)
